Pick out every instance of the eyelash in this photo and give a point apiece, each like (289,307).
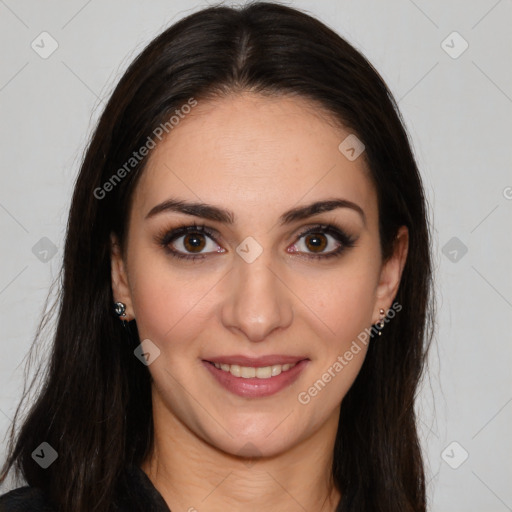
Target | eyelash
(166,237)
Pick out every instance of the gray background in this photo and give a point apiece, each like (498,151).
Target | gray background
(457,111)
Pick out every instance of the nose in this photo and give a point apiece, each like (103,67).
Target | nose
(258,301)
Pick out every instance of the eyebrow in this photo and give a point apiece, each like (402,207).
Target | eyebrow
(214,213)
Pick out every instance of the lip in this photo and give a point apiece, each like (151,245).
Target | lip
(256,362)
(254,387)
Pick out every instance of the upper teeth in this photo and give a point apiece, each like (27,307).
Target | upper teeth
(247,372)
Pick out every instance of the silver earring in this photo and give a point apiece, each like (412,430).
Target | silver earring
(380,325)
(120,309)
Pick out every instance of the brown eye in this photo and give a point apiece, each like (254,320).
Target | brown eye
(190,242)
(194,242)
(316,242)
(322,241)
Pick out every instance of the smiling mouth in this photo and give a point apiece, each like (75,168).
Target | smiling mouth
(248,372)
(242,379)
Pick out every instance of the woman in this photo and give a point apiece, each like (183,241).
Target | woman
(245,306)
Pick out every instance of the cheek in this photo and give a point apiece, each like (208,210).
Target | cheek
(343,299)
(169,305)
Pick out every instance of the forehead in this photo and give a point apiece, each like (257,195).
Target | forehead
(254,154)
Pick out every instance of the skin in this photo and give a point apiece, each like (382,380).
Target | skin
(258,157)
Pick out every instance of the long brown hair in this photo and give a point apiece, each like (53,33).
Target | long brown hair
(94,406)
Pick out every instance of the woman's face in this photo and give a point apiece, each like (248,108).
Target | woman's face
(259,287)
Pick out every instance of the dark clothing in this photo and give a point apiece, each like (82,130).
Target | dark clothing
(136,494)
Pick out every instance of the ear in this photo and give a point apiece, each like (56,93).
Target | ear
(120,286)
(391,273)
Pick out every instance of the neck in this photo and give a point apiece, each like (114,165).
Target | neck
(193,475)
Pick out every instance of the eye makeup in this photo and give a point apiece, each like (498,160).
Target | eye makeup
(167,237)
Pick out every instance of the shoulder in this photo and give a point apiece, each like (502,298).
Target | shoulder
(24,499)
